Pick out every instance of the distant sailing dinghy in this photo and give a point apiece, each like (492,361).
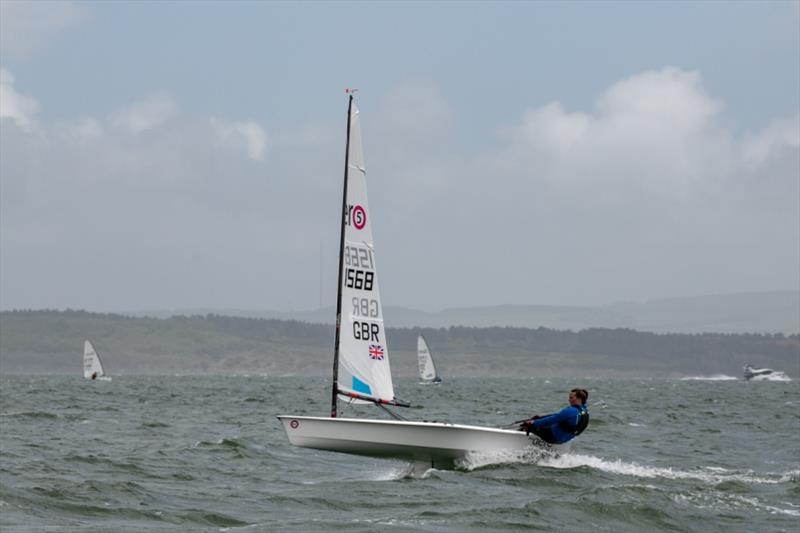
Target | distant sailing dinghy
(427,370)
(92,367)
(361,372)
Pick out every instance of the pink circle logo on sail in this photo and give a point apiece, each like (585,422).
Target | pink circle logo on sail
(359,217)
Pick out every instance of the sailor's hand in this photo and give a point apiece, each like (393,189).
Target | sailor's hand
(535,417)
(527,427)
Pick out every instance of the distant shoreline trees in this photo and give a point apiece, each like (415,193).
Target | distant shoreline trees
(40,340)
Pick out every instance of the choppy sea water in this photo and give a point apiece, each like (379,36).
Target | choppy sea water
(199,453)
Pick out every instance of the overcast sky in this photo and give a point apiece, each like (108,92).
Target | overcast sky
(177,155)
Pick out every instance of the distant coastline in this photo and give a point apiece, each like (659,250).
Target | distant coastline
(50,342)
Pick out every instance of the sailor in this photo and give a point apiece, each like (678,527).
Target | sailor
(94,375)
(563,426)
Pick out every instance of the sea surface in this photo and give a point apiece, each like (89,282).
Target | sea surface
(175,453)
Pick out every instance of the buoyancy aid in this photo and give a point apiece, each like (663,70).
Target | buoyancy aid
(580,425)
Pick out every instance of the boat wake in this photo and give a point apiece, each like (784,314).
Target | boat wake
(549,458)
(531,455)
(709,475)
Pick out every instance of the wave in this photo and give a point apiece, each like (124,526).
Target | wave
(234,446)
(714,377)
(719,501)
(710,475)
(210,518)
(31,414)
(223,443)
(153,425)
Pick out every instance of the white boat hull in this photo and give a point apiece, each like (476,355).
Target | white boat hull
(438,444)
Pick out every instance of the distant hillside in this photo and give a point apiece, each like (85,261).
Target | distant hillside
(51,342)
(761,312)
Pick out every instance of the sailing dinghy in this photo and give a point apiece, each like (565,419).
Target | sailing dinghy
(361,371)
(92,367)
(427,370)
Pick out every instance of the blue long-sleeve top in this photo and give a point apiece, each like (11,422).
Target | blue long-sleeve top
(569,415)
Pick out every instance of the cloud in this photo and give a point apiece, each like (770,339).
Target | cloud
(670,98)
(656,132)
(780,136)
(551,129)
(639,124)
(15,106)
(146,114)
(145,146)
(650,192)
(247,134)
(26,26)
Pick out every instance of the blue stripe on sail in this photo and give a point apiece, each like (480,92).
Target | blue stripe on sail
(360,386)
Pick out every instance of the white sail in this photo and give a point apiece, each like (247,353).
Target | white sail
(363,354)
(427,370)
(92,367)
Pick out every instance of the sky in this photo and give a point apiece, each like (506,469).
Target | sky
(159,155)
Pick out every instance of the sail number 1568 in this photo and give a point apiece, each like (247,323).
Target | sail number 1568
(359,279)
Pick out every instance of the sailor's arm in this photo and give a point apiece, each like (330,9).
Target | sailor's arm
(555,418)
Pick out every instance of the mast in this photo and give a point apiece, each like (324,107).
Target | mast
(335,386)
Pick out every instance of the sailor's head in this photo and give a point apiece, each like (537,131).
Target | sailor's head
(578,396)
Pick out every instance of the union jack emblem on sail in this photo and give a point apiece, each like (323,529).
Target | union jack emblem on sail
(376,352)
